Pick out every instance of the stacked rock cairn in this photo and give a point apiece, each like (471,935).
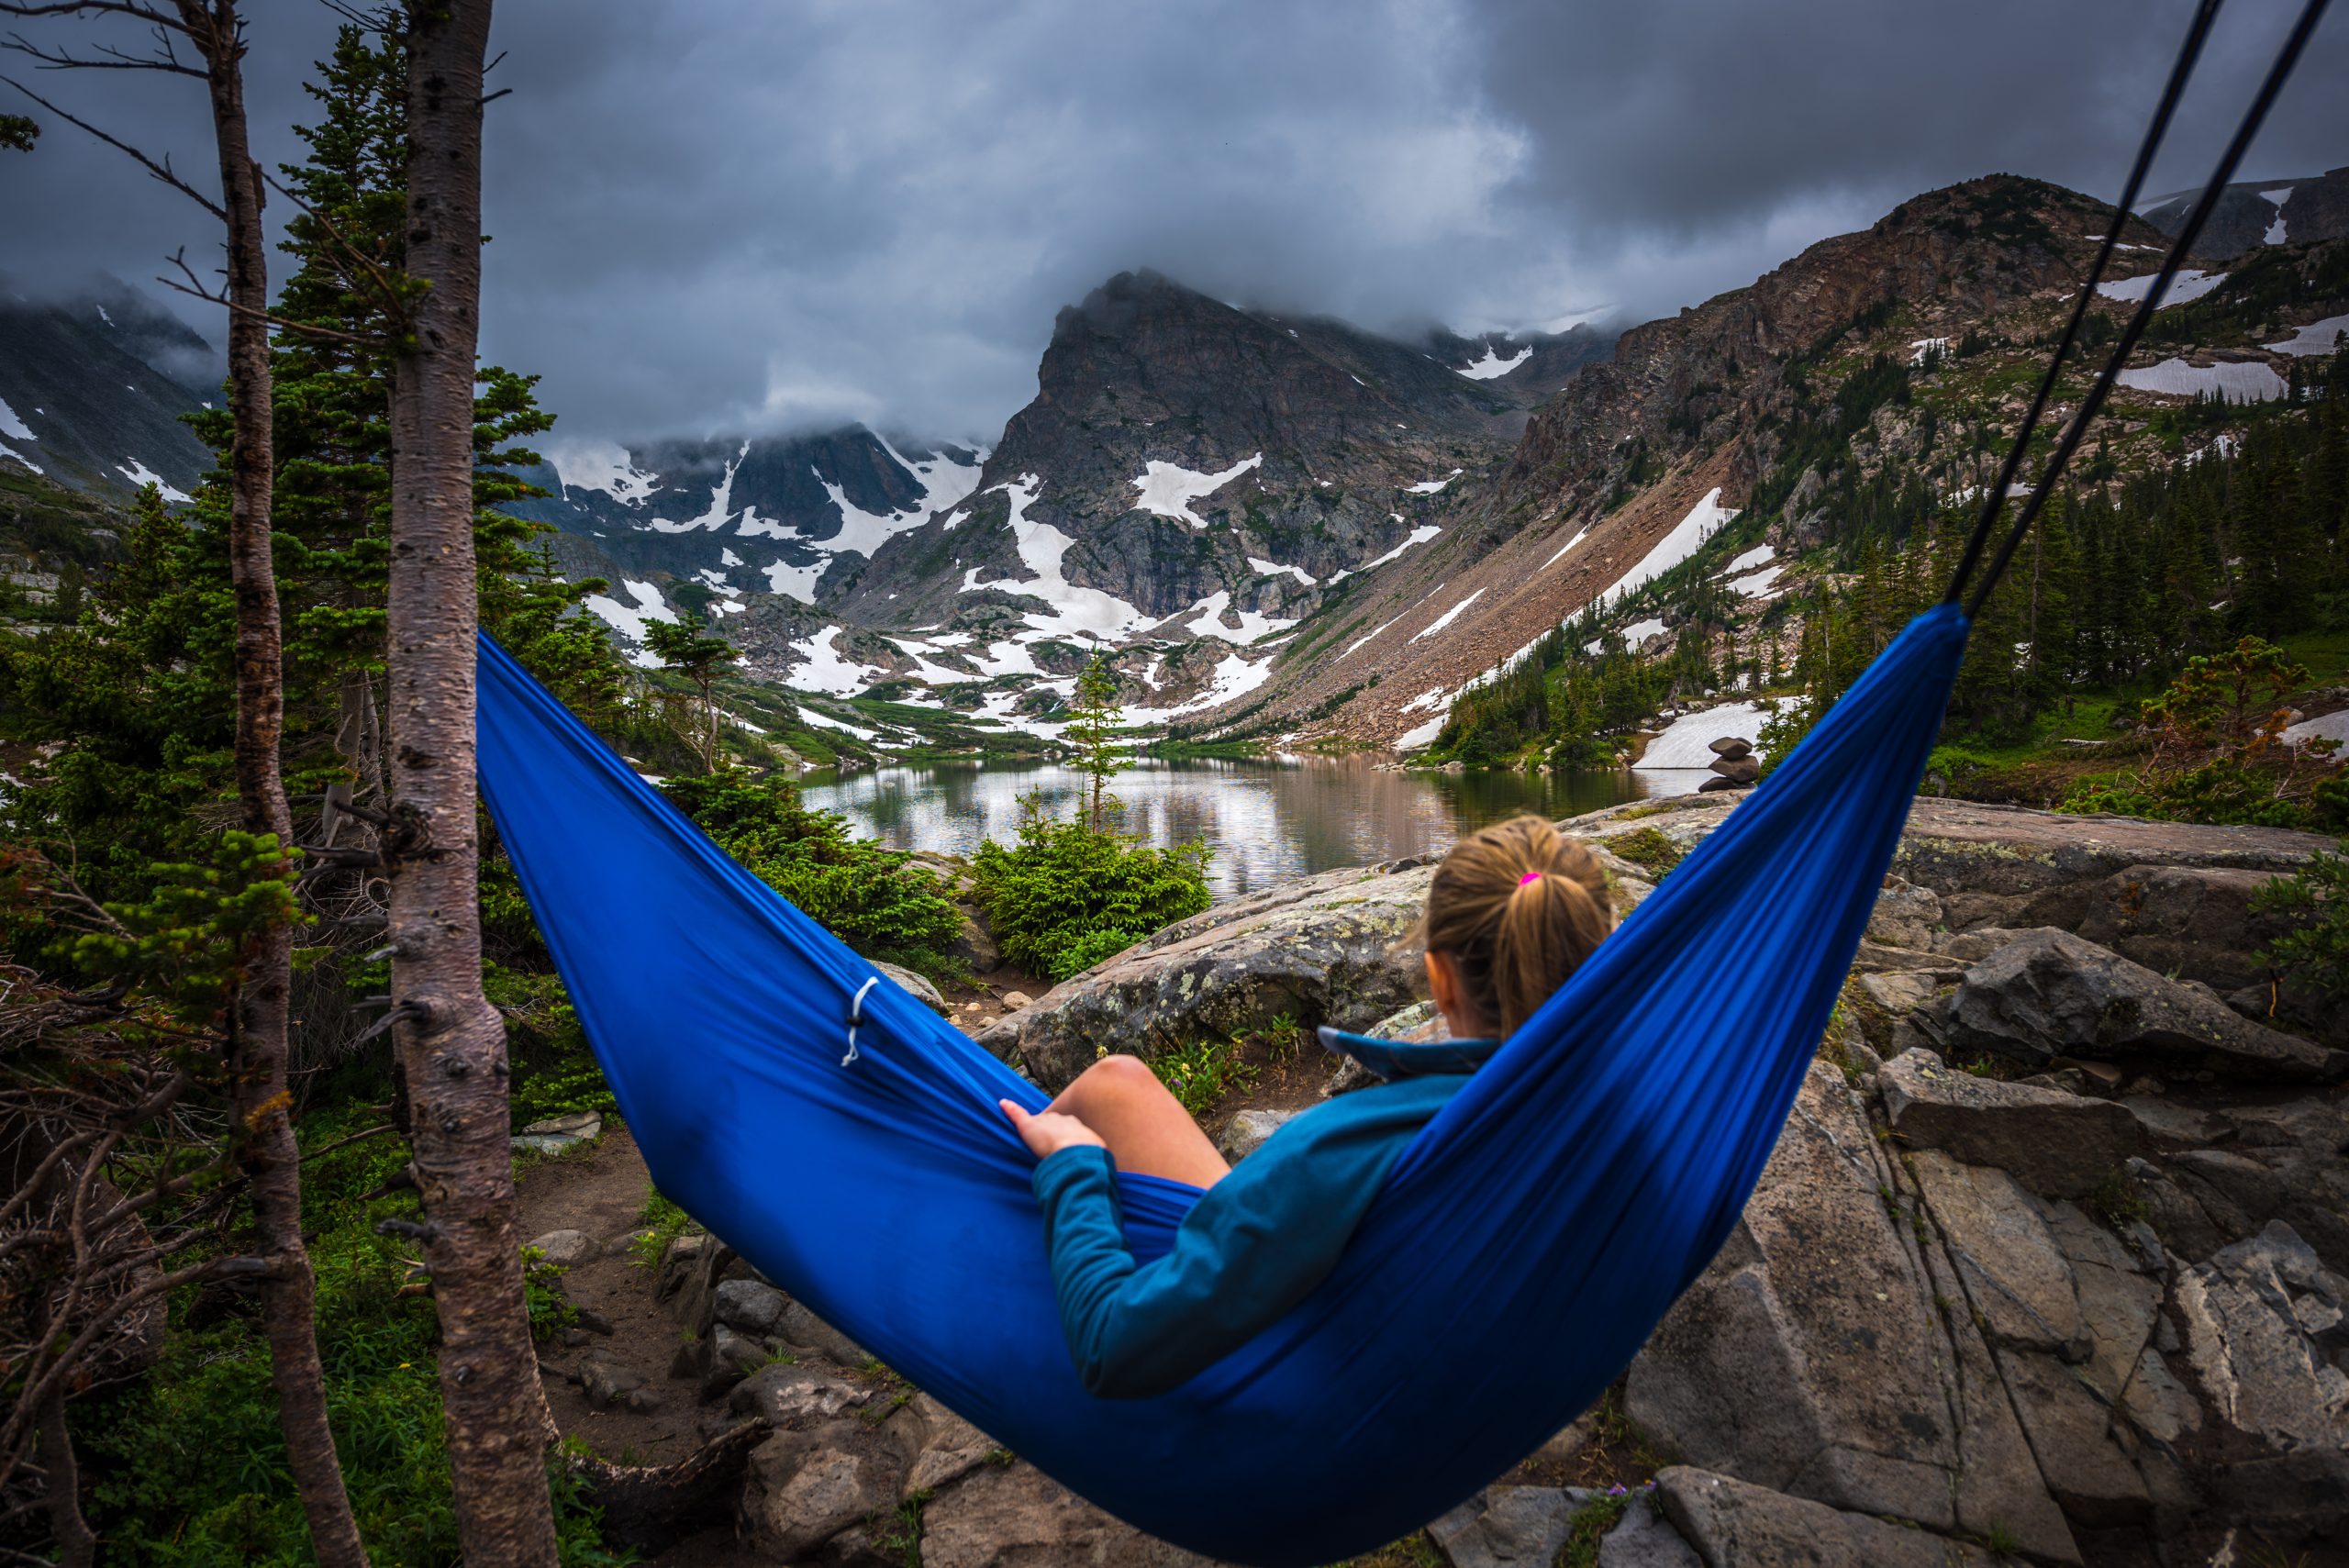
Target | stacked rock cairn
(1734,764)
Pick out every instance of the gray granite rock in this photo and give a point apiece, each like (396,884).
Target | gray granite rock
(2061,1144)
(566,1249)
(1733,1524)
(2016,1279)
(2259,1316)
(2048,993)
(793,1395)
(1245,1133)
(918,985)
(1508,1527)
(803,1330)
(749,1306)
(2193,922)
(1012,1516)
(802,1488)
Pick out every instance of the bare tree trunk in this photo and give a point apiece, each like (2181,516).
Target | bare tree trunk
(451,1042)
(258,1041)
(77,1544)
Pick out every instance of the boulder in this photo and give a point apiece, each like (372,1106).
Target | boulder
(2193,922)
(2049,994)
(1322,949)
(1245,1133)
(1012,1516)
(557,1133)
(793,1396)
(1015,1000)
(1503,1527)
(806,1331)
(726,1357)
(1905,915)
(566,1249)
(677,1260)
(940,1446)
(2262,1320)
(1810,1357)
(2060,1144)
(1733,1524)
(607,1385)
(975,946)
(1738,770)
(749,1306)
(1731,746)
(803,1488)
(917,984)
(1716,786)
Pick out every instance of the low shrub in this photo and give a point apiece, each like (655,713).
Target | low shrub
(1064,898)
(1201,1074)
(868,897)
(2316,901)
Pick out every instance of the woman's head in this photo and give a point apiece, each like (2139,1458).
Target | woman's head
(1514,908)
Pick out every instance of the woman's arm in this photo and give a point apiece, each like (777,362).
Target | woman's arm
(1243,1260)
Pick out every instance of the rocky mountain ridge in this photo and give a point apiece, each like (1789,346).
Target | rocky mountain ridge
(91,387)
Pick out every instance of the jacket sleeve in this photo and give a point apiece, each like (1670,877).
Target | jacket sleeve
(1250,1251)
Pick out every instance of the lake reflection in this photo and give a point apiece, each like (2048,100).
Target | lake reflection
(1267,821)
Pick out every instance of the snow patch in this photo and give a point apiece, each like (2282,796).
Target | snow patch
(1042,547)
(721,503)
(1751,558)
(1422,735)
(2316,338)
(1419,535)
(1756,584)
(1366,637)
(794,582)
(1923,346)
(8,451)
(2251,381)
(1168,489)
(605,466)
(1208,620)
(1264,568)
(2191,283)
(1563,548)
(1704,519)
(809,716)
(1681,758)
(1430,486)
(16,430)
(1233,677)
(1492,364)
(138,473)
(629,619)
(825,670)
(1448,616)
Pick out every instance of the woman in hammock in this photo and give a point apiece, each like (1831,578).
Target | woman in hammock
(1511,912)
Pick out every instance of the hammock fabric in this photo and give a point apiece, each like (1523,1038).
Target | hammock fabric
(1521,1250)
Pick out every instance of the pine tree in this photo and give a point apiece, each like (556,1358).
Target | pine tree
(690,650)
(1093,724)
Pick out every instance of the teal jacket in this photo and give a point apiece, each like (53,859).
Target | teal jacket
(1255,1245)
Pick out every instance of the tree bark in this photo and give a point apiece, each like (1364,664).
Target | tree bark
(77,1544)
(451,1042)
(258,1035)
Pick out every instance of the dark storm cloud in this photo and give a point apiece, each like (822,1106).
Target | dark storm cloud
(732,213)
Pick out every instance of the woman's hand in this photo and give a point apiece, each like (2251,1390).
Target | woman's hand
(1048,1132)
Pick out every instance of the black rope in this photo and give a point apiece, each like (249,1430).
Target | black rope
(2204,15)
(2102,387)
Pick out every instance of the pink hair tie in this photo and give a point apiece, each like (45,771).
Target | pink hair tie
(1528,877)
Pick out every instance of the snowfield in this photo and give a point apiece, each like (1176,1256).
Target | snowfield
(1042,546)
(2246,382)
(2191,283)
(1206,620)
(1704,519)
(13,427)
(1419,535)
(2316,338)
(1679,761)
(1233,677)
(1264,568)
(1168,489)
(629,619)
(1430,486)
(138,473)
(1448,616)
(825,670)
(1492,364)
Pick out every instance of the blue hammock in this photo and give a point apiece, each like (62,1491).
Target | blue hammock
(1522,1250)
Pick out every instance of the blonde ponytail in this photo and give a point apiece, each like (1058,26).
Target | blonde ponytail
(1517,907)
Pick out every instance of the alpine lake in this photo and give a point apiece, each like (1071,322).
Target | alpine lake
(1266,821)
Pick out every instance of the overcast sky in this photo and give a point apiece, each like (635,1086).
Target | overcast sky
(726,214)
